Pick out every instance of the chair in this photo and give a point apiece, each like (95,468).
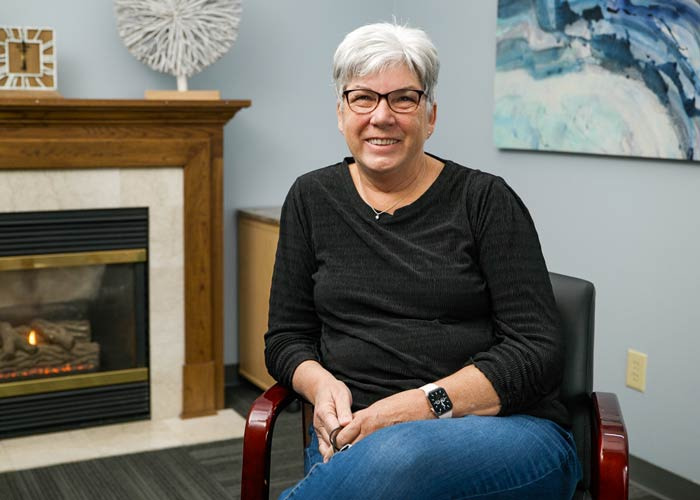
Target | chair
(598,427)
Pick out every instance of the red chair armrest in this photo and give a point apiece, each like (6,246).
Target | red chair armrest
(611,457)
(257,441)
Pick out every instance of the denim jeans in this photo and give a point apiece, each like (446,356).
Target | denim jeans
(514,457)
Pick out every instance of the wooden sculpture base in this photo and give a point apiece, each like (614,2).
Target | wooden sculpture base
(185,95)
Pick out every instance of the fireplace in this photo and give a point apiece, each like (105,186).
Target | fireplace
(73,319)
(167,155)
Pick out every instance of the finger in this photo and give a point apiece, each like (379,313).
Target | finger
(322,435)
(325,417)
(350,434)
(343,405)
(325,451)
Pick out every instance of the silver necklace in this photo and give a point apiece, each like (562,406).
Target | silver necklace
(377,214)
(415,182)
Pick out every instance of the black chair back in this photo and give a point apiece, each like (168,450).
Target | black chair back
(576,302)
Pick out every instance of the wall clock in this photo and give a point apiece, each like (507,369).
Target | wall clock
(27,58)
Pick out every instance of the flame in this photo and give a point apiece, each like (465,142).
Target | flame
(31,338)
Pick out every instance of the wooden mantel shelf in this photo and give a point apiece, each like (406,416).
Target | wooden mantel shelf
(57,133)
(33,110)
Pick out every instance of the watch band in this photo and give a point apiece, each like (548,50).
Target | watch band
(429,387)
(438,410)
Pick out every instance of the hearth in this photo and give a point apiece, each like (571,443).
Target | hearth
(73,319)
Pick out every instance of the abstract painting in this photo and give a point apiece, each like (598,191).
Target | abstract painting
(612,77)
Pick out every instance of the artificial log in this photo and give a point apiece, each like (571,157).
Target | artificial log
(79,329)
(86,354)
(53,333)
(13,342)
(63,346)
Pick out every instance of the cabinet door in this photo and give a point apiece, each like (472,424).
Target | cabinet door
(257,245)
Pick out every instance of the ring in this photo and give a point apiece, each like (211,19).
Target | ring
(332,436)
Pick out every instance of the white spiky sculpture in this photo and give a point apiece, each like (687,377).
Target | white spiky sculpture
(180,37)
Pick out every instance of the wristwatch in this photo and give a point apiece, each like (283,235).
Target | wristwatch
(440,402)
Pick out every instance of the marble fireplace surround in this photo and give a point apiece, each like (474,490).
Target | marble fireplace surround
(161,191)
(168,156)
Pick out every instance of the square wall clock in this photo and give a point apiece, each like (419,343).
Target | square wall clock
(27,58)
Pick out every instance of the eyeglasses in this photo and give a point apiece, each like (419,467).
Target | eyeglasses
(400,101)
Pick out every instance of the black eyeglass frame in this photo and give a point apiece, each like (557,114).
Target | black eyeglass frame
(420,93)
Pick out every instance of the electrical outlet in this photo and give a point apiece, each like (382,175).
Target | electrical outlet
(636,370)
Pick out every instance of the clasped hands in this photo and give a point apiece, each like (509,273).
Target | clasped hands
(332,404)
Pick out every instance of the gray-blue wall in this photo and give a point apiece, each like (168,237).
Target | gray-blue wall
(628,225)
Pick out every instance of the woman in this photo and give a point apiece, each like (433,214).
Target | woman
(411,305)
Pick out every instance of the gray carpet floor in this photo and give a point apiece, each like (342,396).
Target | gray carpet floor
(209,471)
(202,472)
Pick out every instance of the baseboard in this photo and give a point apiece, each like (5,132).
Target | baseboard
(231,376)
(662,482)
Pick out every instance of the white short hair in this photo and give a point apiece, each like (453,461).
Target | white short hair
(374,47)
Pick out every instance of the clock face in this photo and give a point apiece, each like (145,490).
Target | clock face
(27,59)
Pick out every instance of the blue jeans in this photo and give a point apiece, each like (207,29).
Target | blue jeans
(515,457)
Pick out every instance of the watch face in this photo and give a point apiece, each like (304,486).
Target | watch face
(440,401)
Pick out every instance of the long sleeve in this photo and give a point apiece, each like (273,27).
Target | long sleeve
(294,328)
(390,304)
(525,364)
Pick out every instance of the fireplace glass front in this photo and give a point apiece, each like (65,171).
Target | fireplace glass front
(73,320)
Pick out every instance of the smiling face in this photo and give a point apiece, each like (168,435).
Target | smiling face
(384,141)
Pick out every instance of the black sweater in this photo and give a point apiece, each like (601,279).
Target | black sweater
(453,279)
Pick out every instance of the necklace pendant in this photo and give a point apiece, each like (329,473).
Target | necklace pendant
(376,217)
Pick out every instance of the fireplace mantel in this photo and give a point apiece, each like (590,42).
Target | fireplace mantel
(87,133)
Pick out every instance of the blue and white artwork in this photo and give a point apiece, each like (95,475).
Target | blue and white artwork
(614,77)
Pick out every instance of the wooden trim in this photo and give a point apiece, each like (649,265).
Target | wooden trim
(217,262)
(63,111)
(75,133)
(95,153)
(197,402)
(198,345)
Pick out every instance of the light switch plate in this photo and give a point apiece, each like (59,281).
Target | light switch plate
(636,370)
